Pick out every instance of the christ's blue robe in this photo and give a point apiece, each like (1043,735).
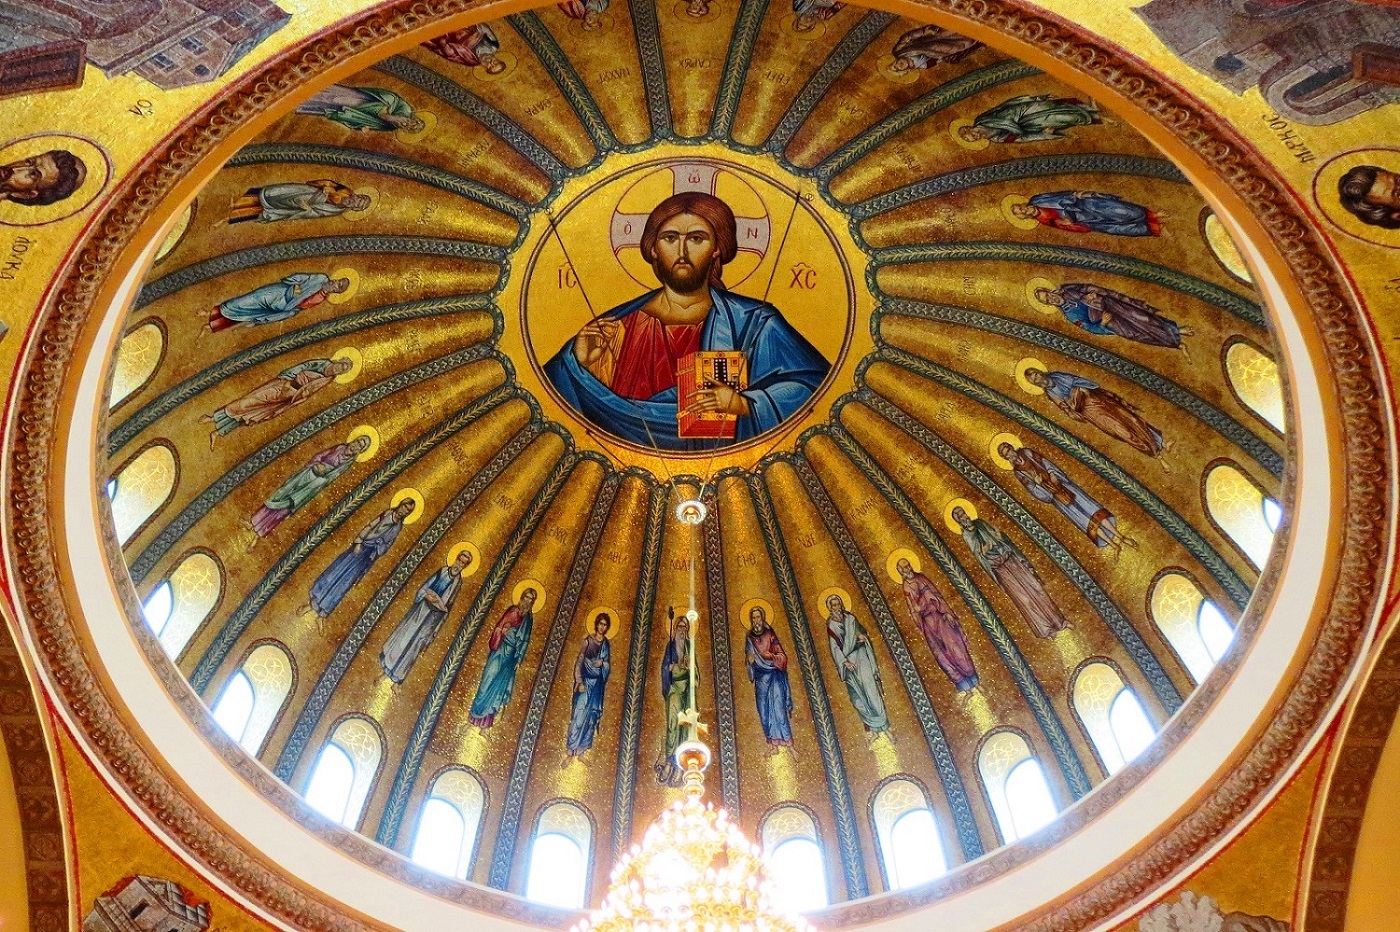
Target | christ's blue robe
(784,371)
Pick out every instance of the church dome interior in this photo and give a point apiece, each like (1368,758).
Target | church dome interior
(930,414)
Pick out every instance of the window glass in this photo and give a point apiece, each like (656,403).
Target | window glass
(1273,514)
(560,877)
(158,607)
(142,487)
(437,844)
(556,872)
(193,591)
(793,868)
(332,779)
(1131,726)
(335,791)
(1237,506)
(138,355)
(1255,380)
(268,670)
(1184,616)
(1112,714)
(917,850)
(1028,796)
(235,706)
(1015,784)
(798,879)
(914,854)
(1216,632)
(462,792)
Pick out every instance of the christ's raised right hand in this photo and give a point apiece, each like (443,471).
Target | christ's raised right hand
(593,340)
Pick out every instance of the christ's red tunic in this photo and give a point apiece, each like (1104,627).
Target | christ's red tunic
(651,352)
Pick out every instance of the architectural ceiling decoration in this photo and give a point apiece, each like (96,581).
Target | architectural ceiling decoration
(982,407)
(394,426)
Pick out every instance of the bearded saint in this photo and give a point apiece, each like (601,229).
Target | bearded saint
(619,372)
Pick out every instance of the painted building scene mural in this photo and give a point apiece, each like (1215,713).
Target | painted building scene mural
(888,392)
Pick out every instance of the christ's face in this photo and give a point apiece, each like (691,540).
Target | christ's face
(685,250)
(24,179)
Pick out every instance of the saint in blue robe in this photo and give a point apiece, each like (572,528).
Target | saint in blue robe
(767,663)
(421,624)
(508,644)
(1098,213)
(591,672)
(271,303)
(351,566)
(784,371)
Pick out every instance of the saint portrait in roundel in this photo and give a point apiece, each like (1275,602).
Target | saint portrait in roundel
(689,365)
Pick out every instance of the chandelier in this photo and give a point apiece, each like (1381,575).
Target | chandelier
(694,870)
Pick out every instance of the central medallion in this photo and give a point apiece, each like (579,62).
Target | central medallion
(701,303)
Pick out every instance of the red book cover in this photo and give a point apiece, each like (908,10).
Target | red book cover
(702,369)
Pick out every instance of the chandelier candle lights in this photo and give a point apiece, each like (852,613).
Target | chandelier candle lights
(694,870)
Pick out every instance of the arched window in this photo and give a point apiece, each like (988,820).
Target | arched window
(1015,784)
(138,357)
(446,836)
(910,848)
(1254,379)
(1194,626)
(559,856)
(1112,715)
(234,706)
(178,606)
(793,852)
(254,695)
(143,486)
(345,770)
(1242,510)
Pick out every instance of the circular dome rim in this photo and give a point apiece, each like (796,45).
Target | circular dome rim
(79,291)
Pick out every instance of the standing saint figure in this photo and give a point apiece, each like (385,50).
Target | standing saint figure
(351,566)
(619,372)
(589,13)
(472,46)
(278,301)
(291,387)
(1049,483)
(509,641)
(941,628)
(296,200)
(1106,312)
(854,657)
(767,663)
(421,623)
(1090,212)
(675,692)
(305,484)
(929,46)
(591,672)
(1031,118)
(1085,400)
(362,109)
(1013,572)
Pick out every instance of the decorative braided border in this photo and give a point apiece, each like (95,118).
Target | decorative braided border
(1302,712)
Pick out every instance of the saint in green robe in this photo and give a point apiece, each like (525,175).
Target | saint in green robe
(1035,118)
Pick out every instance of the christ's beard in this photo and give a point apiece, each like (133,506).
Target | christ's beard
(687,279)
